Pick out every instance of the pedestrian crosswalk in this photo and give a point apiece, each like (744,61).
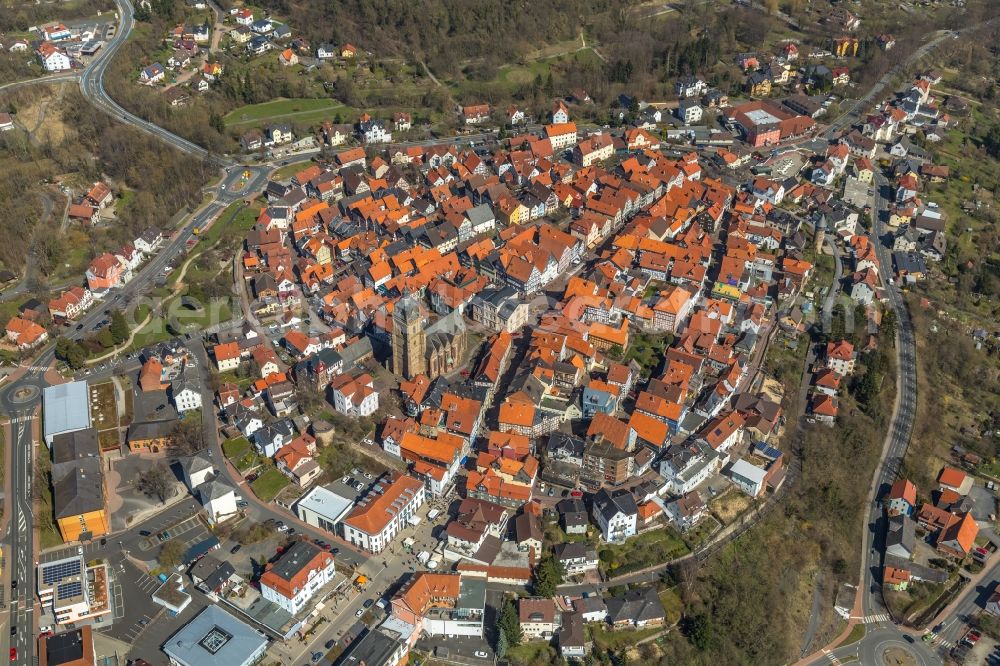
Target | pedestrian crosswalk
(877,617)
(833,659)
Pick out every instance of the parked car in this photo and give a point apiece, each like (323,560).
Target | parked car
(481,654)
(361,611)
(235,549)
(329,644)
(368,603)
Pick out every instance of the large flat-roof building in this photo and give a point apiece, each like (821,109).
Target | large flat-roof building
(379,647)
(66,408)
(70,591)
(324,508)
(215,637)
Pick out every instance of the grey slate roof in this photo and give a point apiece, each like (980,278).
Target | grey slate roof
(638,605)
(611,504)
(198,462)
(79,491)
(214,489)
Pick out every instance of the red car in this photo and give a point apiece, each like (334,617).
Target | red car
(13,654)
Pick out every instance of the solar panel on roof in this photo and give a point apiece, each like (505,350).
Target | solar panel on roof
(69,590)
(57,572)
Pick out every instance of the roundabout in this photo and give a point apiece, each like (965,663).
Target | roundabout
(898,656)
(24,394)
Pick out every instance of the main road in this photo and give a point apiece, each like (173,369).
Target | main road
(20,399)
(897,439)
(882,634)
(92,87)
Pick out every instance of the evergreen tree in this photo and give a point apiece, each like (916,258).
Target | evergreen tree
(887,329)
(70,352)
(509,624)
(699,630)
(502,645)
(105,338)
(548,576)
(119,327)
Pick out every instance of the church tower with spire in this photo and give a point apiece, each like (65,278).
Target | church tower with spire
(409,341)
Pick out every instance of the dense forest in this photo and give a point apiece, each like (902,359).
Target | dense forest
(93,146)
(444,31)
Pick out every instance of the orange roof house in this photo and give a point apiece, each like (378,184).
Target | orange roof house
(426,590)
(902,497)
(150,377)
(604,336)
(25,333)
(373,522)
(492,487)
(954,479)
(957,539)
(292,572)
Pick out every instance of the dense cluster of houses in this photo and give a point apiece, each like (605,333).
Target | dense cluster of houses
(945,524)
(398,270)
(59,48)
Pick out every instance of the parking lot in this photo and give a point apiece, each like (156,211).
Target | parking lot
(146,626)
(189,532)
(457,650)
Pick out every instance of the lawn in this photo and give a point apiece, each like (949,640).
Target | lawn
(672,604)
(157,329)
(129,406)
(235,447)
(269,484)
(645,550)
(514,76)
(857,633)
(702,532)
(304,111)
(289,170)
(109,440)
(78,254)
(531,653)
(647,351)
(243,456)
(614,641)
(154,331)
(236,218)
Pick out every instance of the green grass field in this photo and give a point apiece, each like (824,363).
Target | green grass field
(303,111)
(645,550)
(289,170)
(269,484)
(235,447)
